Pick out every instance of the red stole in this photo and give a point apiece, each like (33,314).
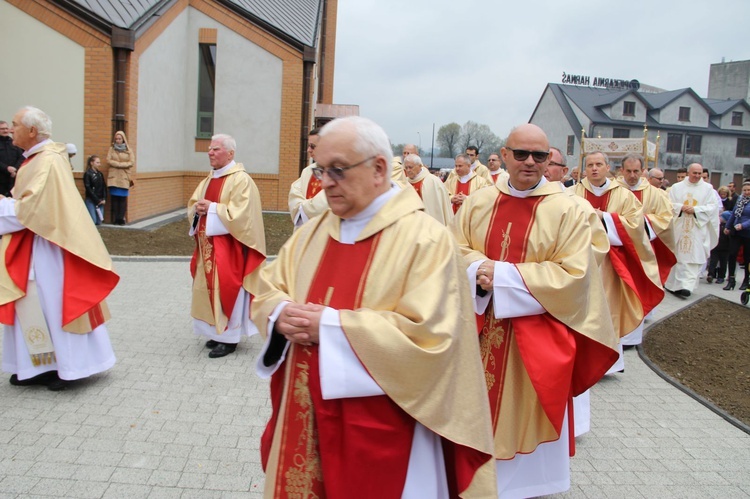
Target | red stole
(313,187)
(494,176)
(664,256)
(85,285)
(235,259)
(418,187)
(625,259)
(461,189)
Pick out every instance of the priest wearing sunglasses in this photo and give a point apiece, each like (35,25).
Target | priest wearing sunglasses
(377,386)
(630,272)
(544,329)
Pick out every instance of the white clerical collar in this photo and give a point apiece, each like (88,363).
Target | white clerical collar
(36,148)
(636,186)
(465,178)
(598,191)
(474,165)
(351,227)
(522,194)
(221,171)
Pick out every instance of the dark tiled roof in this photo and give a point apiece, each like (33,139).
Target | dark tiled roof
(297,19)
(721,106)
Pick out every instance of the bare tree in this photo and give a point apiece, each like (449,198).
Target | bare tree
(447,138)
(479,135)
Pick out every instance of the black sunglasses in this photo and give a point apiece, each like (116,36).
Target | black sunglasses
(521,155)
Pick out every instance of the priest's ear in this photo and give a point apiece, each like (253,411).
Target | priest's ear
(381,167)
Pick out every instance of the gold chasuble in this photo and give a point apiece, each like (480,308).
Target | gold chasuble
(221,265)
(657,209)
(420,351)
(303,195)
(535,364)
(473,184)
(48,205)
(437,201)
(630,273)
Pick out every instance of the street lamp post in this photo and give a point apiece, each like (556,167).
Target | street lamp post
(420,142)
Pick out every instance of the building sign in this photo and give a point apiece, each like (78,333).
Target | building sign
(598,81)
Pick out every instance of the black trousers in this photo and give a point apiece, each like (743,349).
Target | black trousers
(735,243)
(119,207)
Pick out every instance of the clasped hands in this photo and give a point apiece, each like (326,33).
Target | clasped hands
(300,323)
(687,209)
(201,207)
(486,275)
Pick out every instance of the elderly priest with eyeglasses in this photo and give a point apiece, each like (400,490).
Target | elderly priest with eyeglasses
(544,330)
(376,386)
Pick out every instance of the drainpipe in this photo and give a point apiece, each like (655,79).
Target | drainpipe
(123,42)
(309,60)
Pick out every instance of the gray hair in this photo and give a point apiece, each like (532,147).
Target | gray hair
(653,172)
(564,159)
(371,138)
(630,157)
(35,117)
(464,157)
(227,141)
(414,159)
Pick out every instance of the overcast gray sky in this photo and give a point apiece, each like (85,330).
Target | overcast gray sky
(411,63)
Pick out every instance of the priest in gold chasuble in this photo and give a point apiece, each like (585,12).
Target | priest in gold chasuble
(545,334)
(306,198)
(430,189)
(55,272)
(376,384)
(230,246)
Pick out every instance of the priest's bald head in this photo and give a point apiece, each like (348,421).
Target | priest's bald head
(354,164)
(526,154)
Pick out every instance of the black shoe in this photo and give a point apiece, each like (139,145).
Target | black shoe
(730,284)
(680,293)
(212,344)
(221,350)
(720,280)
(39,379)
(57,384)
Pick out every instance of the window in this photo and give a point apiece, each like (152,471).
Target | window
(743,148)
(571,144)
(684,114)
(674,142)
(628,108)
(737,118)
(620,133)
(206,89)
(693,144)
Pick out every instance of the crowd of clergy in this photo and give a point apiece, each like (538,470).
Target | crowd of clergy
(422,338)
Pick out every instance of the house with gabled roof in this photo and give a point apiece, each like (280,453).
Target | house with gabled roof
(170,74)
(690,129)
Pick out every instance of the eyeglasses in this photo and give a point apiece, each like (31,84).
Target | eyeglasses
(658,178)
(493,159)
(521,155)
(551,163)
(336,173)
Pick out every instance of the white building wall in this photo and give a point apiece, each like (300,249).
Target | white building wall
(698,114)
(616,110)
(726,119)
(247,105)
(54,83)
(164,83)
(248,97)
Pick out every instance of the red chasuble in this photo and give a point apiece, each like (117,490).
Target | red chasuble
(557,371)
(235,260)
(625,259)
(313,187)
(418,187)
(664,256)
(461,189)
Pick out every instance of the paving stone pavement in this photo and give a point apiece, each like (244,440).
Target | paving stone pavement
(167,421)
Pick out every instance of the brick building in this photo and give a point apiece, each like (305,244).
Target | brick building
(170,73)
